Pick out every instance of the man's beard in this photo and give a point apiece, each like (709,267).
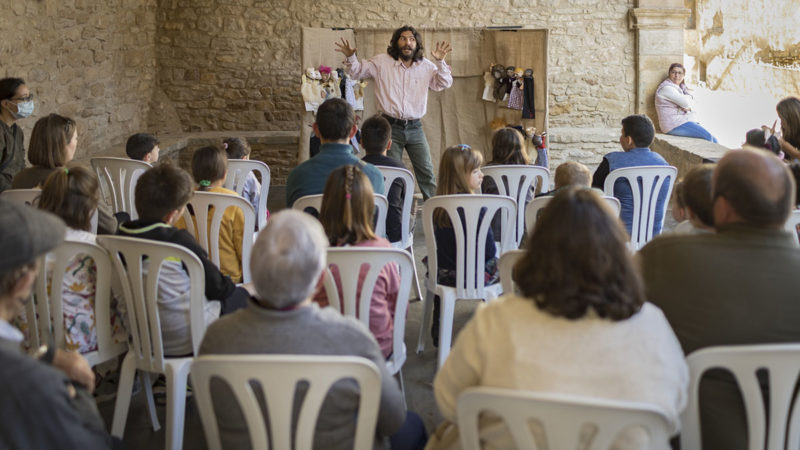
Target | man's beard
(405,57)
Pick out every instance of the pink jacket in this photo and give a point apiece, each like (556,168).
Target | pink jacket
(671,102)
(384,297)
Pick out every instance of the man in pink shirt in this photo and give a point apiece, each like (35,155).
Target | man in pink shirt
(402,79)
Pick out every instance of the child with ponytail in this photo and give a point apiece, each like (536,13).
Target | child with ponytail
(348,206)
(72,195)
(209,169)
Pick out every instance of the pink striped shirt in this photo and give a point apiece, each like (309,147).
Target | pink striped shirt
(401,92)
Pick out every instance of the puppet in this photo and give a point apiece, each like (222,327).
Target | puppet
(528,108)
(329,83)
(310,89)
(498,75)
(515,96)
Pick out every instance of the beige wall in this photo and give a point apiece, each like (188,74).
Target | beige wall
(235,64)
(90,60)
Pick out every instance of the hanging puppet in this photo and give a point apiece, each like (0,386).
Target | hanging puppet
(515,96)
(528,108)
(310,89)
(498,73)
(329,83)
(488,85)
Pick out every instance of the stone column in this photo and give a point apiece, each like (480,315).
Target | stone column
(659,42)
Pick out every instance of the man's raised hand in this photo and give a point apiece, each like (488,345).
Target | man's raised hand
(344,48)
(441,50)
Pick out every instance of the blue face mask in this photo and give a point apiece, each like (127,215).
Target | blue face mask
(24,109)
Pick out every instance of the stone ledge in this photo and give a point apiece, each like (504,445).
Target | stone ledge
(684,153)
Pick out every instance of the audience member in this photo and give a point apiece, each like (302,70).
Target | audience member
(53,143)
(570,173)
(585,310)
(789,113)
(508,148)
(794,168)
(737,286)
(16,102)
(288,259)
(238,148)
(335,125)
(376,138)
(46,402)
(161,196)
(459,173)
(764,139)
(72,194)
(675,107)
(694,195)
(637,135)
(209,169)
(346,214)
(143,147)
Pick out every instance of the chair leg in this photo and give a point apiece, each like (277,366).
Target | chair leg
(177,378)
(446,327)
(151,404)
(427,310)
(124,392)
(416,277)
(399,377)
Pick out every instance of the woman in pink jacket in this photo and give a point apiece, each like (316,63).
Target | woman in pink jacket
(348,205)
(674,105)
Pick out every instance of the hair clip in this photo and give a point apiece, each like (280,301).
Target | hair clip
(463,147)
(347,196)
(225,145)
(66,171)
(205,183)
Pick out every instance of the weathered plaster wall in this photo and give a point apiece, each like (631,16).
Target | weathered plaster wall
(746,45)
(90,60)
(234,64)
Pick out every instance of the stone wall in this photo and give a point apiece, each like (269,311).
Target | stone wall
(90,60)
(234,64)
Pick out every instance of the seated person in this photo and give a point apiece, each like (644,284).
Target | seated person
(161,196)
(335,125)
(695,194)
(209,169)
(288,259)
(581,326)
(508,148)
(238,148)
(143,147)
(570,173)
(46,401)
(376,139)
(636,137)
(346,215)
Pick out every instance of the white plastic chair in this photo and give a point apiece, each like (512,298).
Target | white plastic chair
(562,416)
(315,202)
(278,376)
(208,237)
(238,169)
(791,224)
(120,176)
(506,267)
(349,261)
(27,196)
(517,182)
(470,257)
(146,349)
(308,201)
(782,362)
(50,306)
(645,198)
(536,205)
(390,174)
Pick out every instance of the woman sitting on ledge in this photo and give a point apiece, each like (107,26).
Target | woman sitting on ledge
(674,107)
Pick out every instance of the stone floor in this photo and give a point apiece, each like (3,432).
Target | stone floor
(418,371)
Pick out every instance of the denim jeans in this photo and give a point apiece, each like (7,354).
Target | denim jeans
(412,138)
(693,130)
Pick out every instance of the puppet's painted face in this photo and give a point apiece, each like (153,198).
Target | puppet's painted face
(528,73)
(325,76)
(510,71)
(497,72)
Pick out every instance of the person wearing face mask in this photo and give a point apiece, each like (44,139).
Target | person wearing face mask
(16,102)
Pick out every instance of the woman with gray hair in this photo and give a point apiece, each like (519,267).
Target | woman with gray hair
(288,258)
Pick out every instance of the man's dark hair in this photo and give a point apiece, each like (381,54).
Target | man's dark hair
(640,128)
(335,119)
(9,86)
(696,192)
(394,51)
(139,145)
(375,134)
(161,190)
